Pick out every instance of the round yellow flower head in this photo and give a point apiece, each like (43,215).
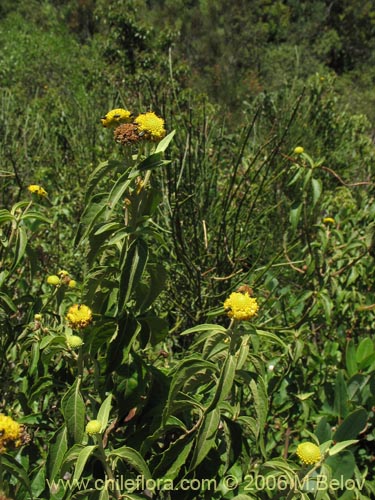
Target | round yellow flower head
(74,341)
(35,188)
(93,427)
(241,306)
(37,317)
(12,434)
(151,125)
(298,150)
(79,316)
(115,117)
(53,280)
(328,220)
(62,273)
(309,453)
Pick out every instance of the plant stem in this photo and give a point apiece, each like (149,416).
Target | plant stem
(107,468)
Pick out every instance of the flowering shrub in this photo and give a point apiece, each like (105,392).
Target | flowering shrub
(105,394)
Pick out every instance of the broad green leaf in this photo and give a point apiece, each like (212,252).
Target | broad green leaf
(82,458)
(73,409)
(323,431)
(364,350)
(342,465)
(104,410)
(341,446)
(57,449)
(52,339)
(133,458)
(353,424)
(206,437)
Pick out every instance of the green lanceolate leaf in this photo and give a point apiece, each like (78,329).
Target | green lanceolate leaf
(317,189)
(350,358)
(206,437)
(295,214)
(225,381)
(82,458)
(164,143)
(58,448)
(174,457)
(340,404)
(119,189)
(205,328)
(132,270)
(73,409)
(341,446)
(182,373)
(133,458)
(98,174)
(104,410)
(20,247)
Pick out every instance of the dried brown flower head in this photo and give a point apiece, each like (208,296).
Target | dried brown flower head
(127,133)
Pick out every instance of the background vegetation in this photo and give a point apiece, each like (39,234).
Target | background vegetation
(229,203)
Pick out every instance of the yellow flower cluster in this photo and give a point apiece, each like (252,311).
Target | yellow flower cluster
(11,433)
(115,117)
(146,126)
(241,306)
(62,278)
(79,316)
(35,188)
(309,453)
(151,125)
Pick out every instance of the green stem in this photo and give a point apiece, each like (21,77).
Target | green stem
(107,468)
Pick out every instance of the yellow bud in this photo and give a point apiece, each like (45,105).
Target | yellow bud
(72,284)
(93,427)
(298,150)
(74,341)
(53,280)
(37,317)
